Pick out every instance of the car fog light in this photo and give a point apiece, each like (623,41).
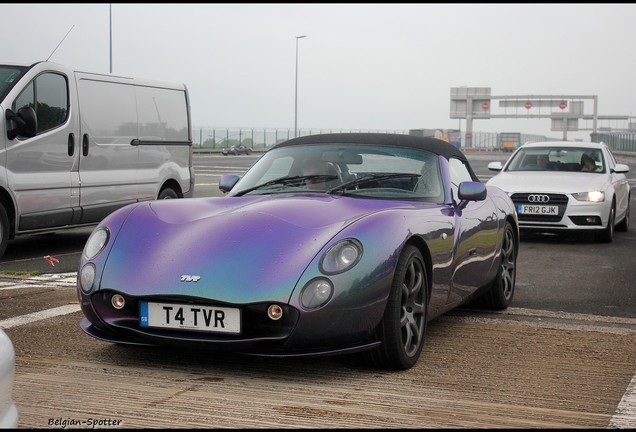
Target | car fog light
(316,293)
(118,301)
(87,277)
(274,312)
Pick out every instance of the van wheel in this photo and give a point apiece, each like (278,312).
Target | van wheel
(167,193)
(4,230)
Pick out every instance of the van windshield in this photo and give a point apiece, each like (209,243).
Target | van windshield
(8,76)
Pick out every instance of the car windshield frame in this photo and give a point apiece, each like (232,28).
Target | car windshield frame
(357,170)
(9,75)
(559,159)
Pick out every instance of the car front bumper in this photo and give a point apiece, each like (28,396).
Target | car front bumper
(572,214)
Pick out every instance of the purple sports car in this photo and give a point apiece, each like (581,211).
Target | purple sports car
(329,244)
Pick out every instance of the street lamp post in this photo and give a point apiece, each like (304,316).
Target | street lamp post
(296,90)
(110,26)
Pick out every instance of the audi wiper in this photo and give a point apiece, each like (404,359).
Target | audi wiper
(369,178)
(289,180)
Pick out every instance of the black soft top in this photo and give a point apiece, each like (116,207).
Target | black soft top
(433,145)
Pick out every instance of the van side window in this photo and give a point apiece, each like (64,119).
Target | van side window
(161,117)
(48,95)
(109,111)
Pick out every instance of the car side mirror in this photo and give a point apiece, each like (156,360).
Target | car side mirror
(621,169)
(227,182)
(25,123)
(495,166)
(472,191)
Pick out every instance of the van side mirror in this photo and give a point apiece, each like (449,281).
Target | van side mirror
(25,123)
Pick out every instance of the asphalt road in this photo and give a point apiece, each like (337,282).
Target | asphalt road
(556,273)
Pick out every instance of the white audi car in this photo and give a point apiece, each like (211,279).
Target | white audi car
(563,186)
(8,410)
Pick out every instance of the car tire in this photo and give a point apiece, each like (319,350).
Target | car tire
(623,226)
(4,230)
(167,193)
(499,295)
(607,236)
(402,329)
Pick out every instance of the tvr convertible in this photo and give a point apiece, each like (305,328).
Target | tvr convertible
(329,244)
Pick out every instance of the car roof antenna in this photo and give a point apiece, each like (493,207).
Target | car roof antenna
(58,45)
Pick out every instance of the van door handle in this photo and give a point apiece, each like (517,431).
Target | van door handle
(85,145)
(71,144)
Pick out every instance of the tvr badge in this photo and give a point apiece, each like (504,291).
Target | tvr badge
(190,278)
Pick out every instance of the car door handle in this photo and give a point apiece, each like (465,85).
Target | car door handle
(85,145)
(71,144)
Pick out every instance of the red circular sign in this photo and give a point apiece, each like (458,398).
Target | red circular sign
(528,105)
(563,104)
(485,105)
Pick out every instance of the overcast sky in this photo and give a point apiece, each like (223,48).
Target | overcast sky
(361,66)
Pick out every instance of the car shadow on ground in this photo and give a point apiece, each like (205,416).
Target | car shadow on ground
(536,237)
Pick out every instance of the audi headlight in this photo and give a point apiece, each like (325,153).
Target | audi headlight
(593,196)
(341,256)
(96,242)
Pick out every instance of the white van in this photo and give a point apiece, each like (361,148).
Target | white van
(75,146)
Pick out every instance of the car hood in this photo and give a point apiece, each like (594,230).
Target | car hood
(241,249)
(549,182)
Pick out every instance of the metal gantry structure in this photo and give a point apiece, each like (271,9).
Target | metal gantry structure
(564,111)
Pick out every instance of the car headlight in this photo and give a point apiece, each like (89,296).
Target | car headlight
(593,196)
(316,293)
(87,277)
(96,242)
(341,256)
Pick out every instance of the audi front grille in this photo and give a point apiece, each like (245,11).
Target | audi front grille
(559,200)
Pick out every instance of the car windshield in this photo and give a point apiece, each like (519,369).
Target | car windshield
(579,159)
(345,169)
(8,75)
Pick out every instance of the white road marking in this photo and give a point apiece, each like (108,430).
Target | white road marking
(54,280)
(37,316)
(625,417)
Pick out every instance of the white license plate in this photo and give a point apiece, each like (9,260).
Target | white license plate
(538,209)
(190,317)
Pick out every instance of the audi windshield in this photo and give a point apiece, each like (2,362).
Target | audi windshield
(556,159)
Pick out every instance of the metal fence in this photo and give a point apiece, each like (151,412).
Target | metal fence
(259,138)
(491,140)
(617,141)
(262,138)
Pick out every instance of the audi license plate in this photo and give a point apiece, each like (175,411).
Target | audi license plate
(190,317)
(537,210)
